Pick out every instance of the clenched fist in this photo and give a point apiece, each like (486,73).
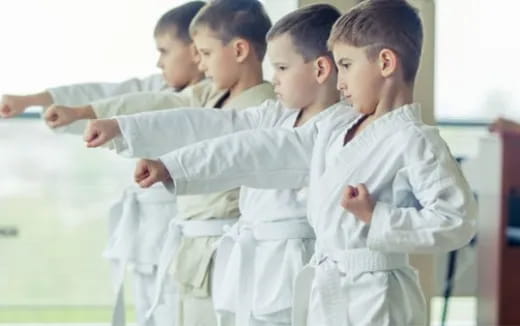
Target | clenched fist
(148,172)
(99,132)
(358,201)
(58,116)
(13,105)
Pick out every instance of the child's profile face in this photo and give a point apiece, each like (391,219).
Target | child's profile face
(294,79)
(216,59)
(359,78)
(177,59)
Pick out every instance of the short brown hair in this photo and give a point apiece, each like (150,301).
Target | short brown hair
(309,28)
(246,19)
(380,24)
(177,21)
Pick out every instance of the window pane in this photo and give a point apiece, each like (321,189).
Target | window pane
(476,53)
(56,194)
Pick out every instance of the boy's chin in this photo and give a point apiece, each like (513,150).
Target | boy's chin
(175,84)
(219,84)
(287,104)
(363,109)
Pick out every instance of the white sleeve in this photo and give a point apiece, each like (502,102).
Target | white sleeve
(152,134)
(82,94)
(140,102)
(446,219)
(264,158)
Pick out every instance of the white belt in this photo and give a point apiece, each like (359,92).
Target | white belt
(328,282)
(246,236)
(123,240)
(177,230)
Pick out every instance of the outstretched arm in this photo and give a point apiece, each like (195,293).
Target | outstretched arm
(70,104)
(13,105)
(85,93)
(265,158)
(152,134)
(59,100)
(60,116)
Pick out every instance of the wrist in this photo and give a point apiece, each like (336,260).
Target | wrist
(366,215)
(85,112)
(39,99)
(117,129)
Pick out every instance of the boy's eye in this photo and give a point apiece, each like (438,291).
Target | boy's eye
(344,65)
(282,68)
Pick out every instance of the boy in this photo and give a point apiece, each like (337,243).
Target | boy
(230,37)
(138,222)
(382,183)
(304,78)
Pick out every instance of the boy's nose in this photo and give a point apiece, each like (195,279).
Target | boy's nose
(202,67)
(275,80)
(340,85)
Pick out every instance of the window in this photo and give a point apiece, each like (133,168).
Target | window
(476,53)
(55,193)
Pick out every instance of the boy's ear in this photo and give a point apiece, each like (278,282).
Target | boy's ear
(323,67)
(195,55)
(387,62)
(242,49)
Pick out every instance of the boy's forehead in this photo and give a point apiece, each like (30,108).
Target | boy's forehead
(205,34)
(342,50)
(166,37)
(282,46)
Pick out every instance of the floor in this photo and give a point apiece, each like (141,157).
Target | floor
(461,312)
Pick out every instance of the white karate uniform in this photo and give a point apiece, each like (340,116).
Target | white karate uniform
(139,220)
(360,273)
(277,218)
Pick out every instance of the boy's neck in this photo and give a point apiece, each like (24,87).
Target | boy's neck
(327,96)
(198,78)
(393,97)
(251,75)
